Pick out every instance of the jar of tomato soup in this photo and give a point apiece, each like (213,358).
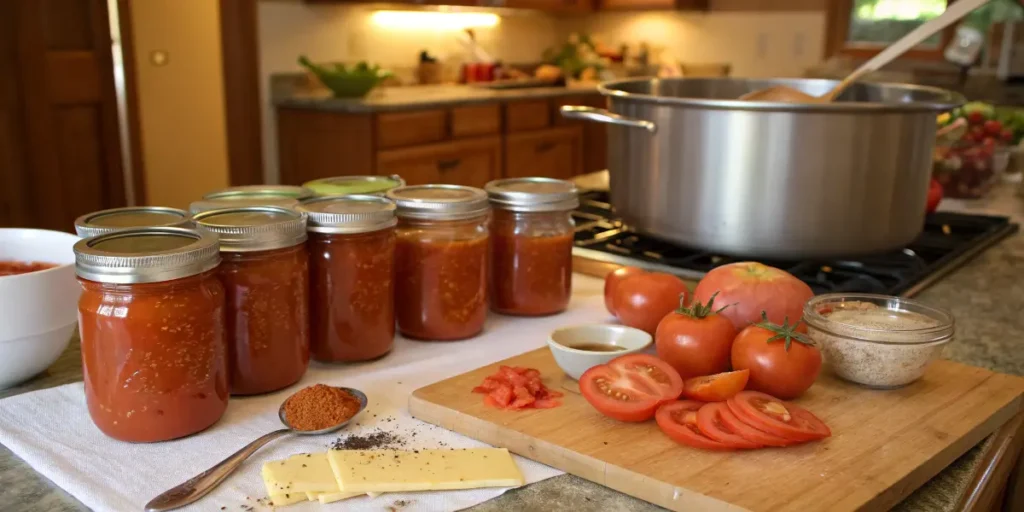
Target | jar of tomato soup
(265,272)
(151,319)
(116,219)
(351,277)
(441,261)
(531,245)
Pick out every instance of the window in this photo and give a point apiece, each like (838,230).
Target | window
(863,27)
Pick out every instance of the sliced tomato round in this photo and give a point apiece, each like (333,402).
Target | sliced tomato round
(678,420)
(709,422)
(631,387)
(769,414)
(716,388)
(748,432)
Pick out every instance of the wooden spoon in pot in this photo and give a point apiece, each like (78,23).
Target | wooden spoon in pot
(784,94)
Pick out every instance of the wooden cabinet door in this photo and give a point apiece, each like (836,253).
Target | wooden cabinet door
(471,162)
(552,153)
(60,153)
(595,135)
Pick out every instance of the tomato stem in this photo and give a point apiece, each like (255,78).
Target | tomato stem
(698,310)
(785,332)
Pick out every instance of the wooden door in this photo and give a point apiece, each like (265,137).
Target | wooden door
(471,162)
(60,154)
(552,153)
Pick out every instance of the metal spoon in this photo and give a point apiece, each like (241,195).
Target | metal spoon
(200,485)
(954,12)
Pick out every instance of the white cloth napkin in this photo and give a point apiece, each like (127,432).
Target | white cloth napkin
(51,429)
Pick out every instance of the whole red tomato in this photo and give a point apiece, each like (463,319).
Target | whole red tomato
(750,288)
(782,361)
(611,283)
(934,196)
(976,118)
(695,340)
(993,127)
(642,300)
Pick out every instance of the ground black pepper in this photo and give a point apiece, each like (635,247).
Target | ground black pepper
(378,439)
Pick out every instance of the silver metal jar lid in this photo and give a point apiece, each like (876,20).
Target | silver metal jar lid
(146,255)
(205,205)
(349,214)
(533,194)
(254,228)
(352,185)
(439,202)
(116,219)
(292,191)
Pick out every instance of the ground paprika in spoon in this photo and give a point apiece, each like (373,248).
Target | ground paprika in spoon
(319,406)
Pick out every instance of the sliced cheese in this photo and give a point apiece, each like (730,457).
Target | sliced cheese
(423,470)
(298,474)
(331,497)
(283,500)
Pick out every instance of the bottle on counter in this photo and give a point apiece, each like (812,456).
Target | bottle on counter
(265,273)
(531,245)
(441,261)
(351,271)
(154,344)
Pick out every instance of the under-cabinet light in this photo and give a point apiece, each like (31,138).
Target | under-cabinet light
(434,20)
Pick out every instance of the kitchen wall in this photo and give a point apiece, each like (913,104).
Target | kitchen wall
(181,100)
(755,43)
(338,32)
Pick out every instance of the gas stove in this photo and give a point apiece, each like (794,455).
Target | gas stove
(947,241)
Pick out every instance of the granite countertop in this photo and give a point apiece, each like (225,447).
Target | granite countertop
(415,97)
(985,295)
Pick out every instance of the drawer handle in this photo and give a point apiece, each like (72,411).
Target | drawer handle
(544,147)
(447,165)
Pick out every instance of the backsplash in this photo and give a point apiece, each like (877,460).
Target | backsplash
(754,43)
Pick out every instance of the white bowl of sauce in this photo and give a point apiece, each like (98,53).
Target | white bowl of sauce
(38,300)
(578,349)
(878,341)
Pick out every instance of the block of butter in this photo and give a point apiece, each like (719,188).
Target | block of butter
(423,470)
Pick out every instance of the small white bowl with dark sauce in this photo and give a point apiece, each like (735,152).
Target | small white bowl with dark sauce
(577,349)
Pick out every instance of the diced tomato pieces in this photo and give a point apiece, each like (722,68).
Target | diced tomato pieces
(517,388)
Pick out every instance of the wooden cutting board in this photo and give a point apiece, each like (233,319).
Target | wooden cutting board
(885,444)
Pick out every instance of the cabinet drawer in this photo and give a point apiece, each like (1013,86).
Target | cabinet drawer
(471,162)
(528,115)
(399,129)
(552,153)
(476,121)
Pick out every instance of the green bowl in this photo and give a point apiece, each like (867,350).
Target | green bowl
(347,82)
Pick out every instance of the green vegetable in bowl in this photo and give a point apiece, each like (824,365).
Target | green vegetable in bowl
(344,81)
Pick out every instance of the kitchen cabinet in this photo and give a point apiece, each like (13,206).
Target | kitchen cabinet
(471,162)
(457,143)
(554,153)
(636,5)
(566,6)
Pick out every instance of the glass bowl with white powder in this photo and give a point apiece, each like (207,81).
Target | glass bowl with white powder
(878,341)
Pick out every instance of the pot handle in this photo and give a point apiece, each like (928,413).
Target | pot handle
(601,115)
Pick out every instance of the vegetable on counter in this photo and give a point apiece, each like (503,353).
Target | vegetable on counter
(631,387)
(696,340)
(517,388)
(641,299)
(716,388)
(782,360)
(751,288)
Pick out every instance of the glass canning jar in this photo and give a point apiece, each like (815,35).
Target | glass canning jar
(531,245)
(441,261)
(265,272)
(151,320)
(351,271)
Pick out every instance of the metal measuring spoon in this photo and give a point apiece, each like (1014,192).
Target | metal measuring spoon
(200,485)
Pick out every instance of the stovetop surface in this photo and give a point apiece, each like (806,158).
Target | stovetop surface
(947,241)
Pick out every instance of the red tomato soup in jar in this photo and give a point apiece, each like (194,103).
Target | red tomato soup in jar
(265,272)
(151,319)
(441,261)
(351,275)
(531,245)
